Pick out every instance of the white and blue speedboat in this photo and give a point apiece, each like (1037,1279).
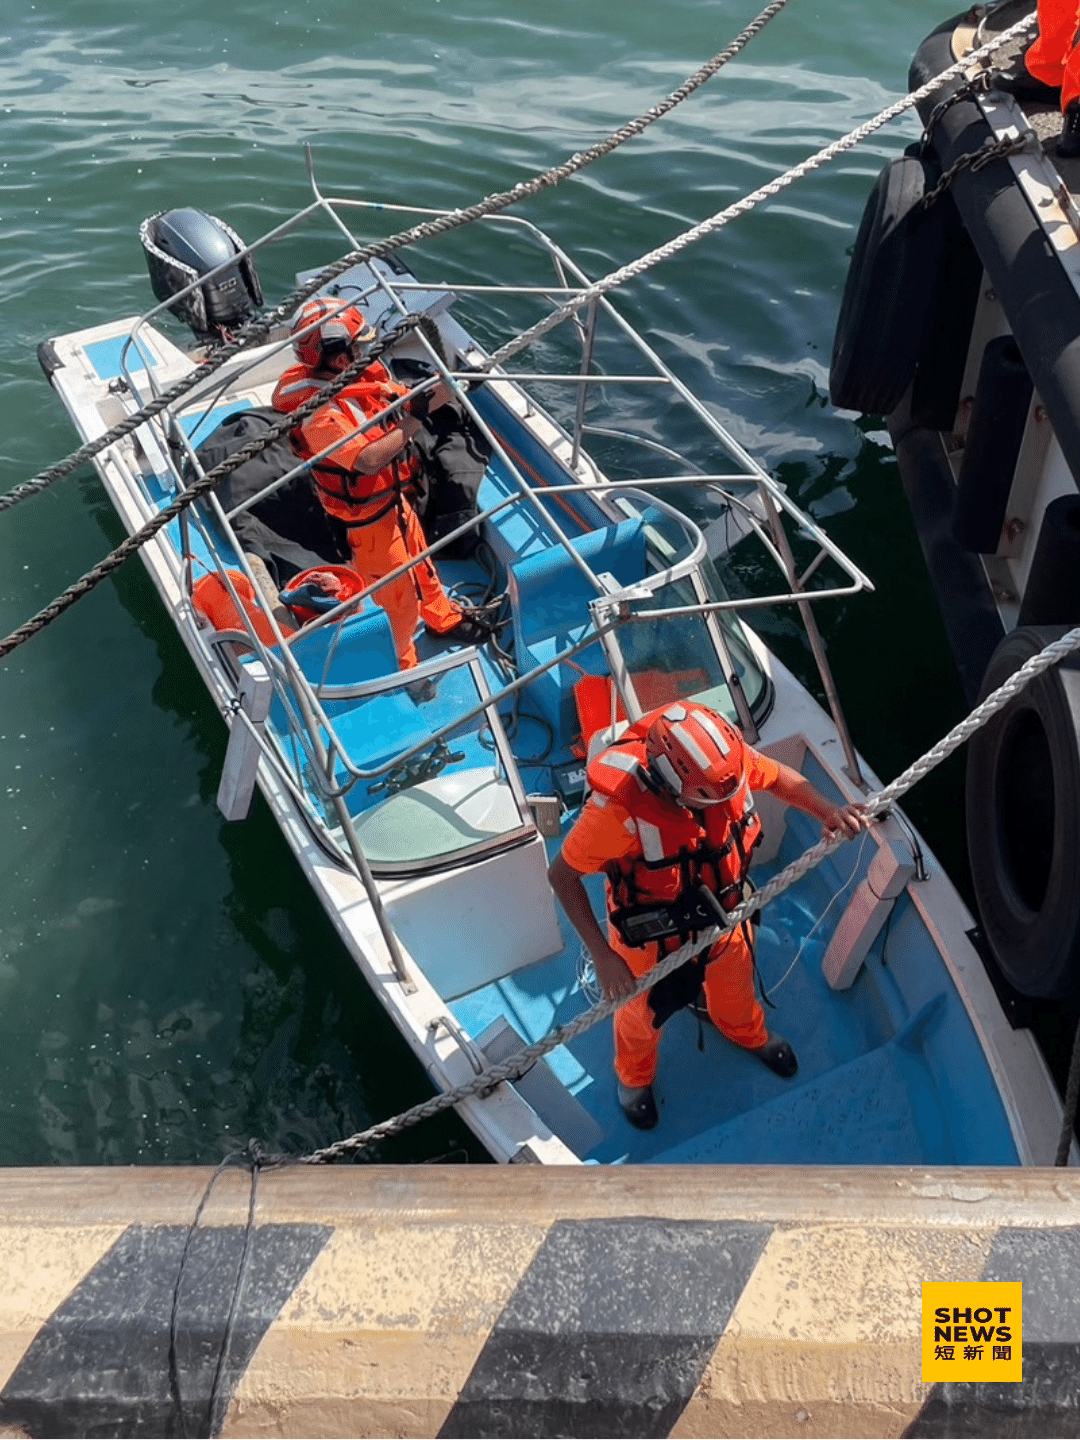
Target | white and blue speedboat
(424,806)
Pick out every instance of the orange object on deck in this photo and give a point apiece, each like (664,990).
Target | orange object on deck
(337,582)
(211,598)
(592,700)
(593,696)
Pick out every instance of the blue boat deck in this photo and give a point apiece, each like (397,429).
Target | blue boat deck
(890,1071)
(878,1063)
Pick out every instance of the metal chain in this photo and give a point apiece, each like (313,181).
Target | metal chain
(198,488)
(977,85)
(516,1064)
(974,161)
(750,202)
(257,331)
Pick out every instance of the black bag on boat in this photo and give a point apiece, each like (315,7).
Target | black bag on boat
(290,530)
(677,990)
(454,455)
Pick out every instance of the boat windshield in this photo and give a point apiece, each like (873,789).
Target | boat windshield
(416,787)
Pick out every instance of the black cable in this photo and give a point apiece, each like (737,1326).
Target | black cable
(180,1425)
(212,1417)
(545,724)
(921,872)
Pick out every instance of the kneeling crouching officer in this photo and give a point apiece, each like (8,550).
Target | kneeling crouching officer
(670,816)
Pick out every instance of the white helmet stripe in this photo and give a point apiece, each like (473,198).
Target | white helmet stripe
(711,728)
(358,416)
(692,748)
(675,712)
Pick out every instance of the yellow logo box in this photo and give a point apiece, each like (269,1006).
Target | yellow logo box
(971,1330)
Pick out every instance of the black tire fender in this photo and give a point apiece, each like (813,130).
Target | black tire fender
(890,282)
(1022,805)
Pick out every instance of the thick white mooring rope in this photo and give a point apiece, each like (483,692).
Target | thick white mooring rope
(749,202)
(256,331)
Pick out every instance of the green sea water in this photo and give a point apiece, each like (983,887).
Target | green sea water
(168,984)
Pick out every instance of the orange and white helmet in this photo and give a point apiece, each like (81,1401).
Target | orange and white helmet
(695,754)
(324,327)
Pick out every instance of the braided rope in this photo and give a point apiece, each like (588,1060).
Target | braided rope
(257,331)
(451,221)
(749,202)
(198,488)
(516,1064)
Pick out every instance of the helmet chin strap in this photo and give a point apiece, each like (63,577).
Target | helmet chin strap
(662,784)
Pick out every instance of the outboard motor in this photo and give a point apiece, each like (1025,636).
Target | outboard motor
(182,245)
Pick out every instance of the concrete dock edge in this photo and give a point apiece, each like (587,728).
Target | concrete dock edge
(524,1301)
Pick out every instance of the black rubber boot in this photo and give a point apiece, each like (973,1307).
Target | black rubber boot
(474,627)
(1068,145)
(469,632)
(1023,86)
(778,1055)
(639,1106)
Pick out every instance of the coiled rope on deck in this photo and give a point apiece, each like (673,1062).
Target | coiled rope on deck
(257,331)
(515,1065)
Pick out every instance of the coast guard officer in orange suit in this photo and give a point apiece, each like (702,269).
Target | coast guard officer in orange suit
(1050,70)
(366,481)
(670,809)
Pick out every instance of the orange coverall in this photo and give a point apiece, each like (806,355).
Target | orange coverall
(378,545)
(1054,58)
(600,835)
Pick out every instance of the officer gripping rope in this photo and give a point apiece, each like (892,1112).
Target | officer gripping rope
(671,823)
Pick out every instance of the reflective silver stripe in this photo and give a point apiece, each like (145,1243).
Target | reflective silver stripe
(651,845)
(354,410)
(692,748)
(675,712)
(312,385)
(598,800)
(617,760)
(630,825)
(714,730)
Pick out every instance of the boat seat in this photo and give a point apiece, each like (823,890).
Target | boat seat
(374,727)
(549,598)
